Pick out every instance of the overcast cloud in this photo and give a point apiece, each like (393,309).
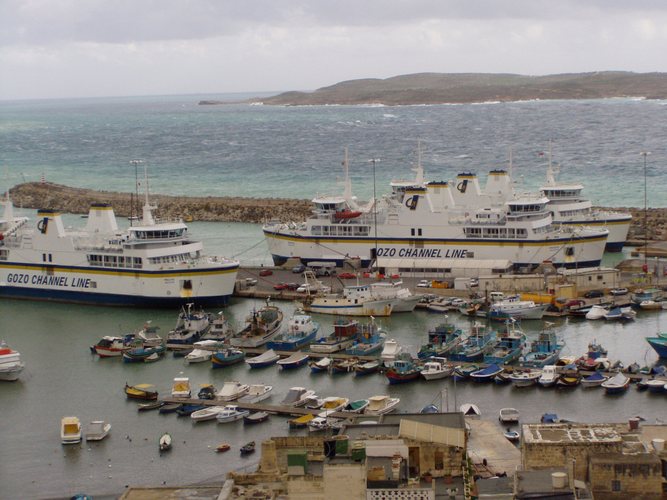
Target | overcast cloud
(75,48)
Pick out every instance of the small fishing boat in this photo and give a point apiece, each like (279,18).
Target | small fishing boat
(256,417)
(11,365)
(227,357)
(366,368)
(656,385)
(508,415)
(319,424)
(470,410)
(190,326)
(462,372)
(149,406)
(164,444)
(392,349)
(370,340)
(188,409)
(141,391)
(597,312)
(480,340)
(525,378)
(222,447)
(139,354)
(301,331)
(230,413)
(620,314)
(320,365)
(508,347)
(261,326)
(181,388)
(486,374)
(248,448)
(436,368)
(208,413)
(297,396)
(594,380)
(617,384)
(568,380)
(514,307)
(650,305)
(357,406)
(430,408)
(70,430)
(343,365)
(403,369)
(232,390)
(148,335)
(265,359)
(207,391)
(441,340)
(549,376)
(301,422)
(112,347)
(511,435)
(314,402)
(220,329)
(543,351)
(97,430)
(256,393)
(296,360)
(202,352)
(334,403)
(381,404)
(344,335)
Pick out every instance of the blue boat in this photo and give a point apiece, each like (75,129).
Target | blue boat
(296,360)
(369,340)
(543,351)
(659,344)
(265,359)
(486,374)
(301,331)
(463,372)
(139,354)
(190,326)
(441,340)
(227,357)
(430,409)
(508,349)
(188,409)
(404,369)
(618,384)
(641,295)
(478,342)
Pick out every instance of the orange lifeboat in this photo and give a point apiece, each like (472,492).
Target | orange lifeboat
(347,214)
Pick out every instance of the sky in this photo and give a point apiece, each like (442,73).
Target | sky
(89,48)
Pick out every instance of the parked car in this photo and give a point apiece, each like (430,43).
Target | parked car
(346,276)
(265,272)
(292,286)
(619,291)
(250,281)
(573,303)
(592,294)
(474,282)
(424,284)
(280,286)
(298,269)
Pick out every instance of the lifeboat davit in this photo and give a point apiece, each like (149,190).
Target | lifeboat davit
(347,214)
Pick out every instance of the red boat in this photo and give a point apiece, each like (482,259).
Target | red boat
(347,214)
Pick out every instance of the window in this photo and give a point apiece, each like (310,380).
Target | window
(419,231)
(615,485)
(412,231)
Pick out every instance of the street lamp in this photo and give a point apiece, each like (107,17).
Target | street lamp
(645,154)
(375,217)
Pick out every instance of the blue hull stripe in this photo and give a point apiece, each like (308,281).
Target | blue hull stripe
(103,299)
(167,273)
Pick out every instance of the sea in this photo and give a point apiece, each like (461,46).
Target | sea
(242,149)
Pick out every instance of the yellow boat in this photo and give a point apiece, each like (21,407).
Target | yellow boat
(140,391)
(301,422)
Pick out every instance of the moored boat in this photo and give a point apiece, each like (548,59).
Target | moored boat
(208,413)
(514,307)
(596,312)
(301,422)
(320,365)
(343,365)
(594,380)
(403,369)
(262,325)
(230,413)
(248,448)
(297,396)
(256,417)
(301,331)
(70,430)
(441,340)
(222,447)
(357,406)
(164,443)
(191,324)
(232,390)
(97,430)
(180,388)
(11,365)
(110,346)
(256,393)
(437,368)
(366,368)
(265,359)
(508,415)
(480,340)
(381,404)
(617,384)
(207,391)
(392,349)
(141,391)
(486,374)
(140,354)
(227,357)
(370,340)
(659,344)
(525,378)
(344,335)
(543,351)
(295,360)
(508,347)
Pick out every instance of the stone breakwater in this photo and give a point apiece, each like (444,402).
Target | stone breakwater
(216,209)
(236,209)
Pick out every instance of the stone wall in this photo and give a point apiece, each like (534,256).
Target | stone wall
(634,476)
(565,455)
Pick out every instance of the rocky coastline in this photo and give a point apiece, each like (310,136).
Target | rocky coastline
(251,210)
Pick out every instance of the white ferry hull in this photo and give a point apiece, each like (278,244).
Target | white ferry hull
(587,251)
(618,229)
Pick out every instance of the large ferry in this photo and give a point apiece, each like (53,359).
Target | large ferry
(152,264)
(436,220)
(568,205)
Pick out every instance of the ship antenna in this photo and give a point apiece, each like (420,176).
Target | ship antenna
(551,181)
(419,169)
(147,218)
(347,184)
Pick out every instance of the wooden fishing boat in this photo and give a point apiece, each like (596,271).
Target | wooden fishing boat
(222,447)
(150,406)
(248,448)
(300,422)
(141,391)
(256,417)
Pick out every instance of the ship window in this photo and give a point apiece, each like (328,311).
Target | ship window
(187,285)
(419,231)
(470,255)
(569,251)
(137,262)
(43,257)
(412,231)
(317,230)
(4,254)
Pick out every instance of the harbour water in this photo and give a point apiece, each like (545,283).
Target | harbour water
(291,152)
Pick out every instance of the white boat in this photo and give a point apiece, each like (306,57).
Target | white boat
(381,404)
(597,312)
(319,424)
(261,326)
(180,388)
(391,349)
(346,332)
(148,335)
(220,328)
(256,393)
(208,413)
(153,263)
(594,380)
(508,415)
(198,356)
(314,402)
(191,324)
(334,403)
(267,358)
(353,301)
(470,410)
(403,300)
(549,376)
(525,378)
(11,365)
(513,307)
(512,435)
(297,396)
(232,390)
(230,413)
(70,430)
(441,305)
(110,346)
(436,220)
(436,368)
(293,360)
(97,430)
(651,305)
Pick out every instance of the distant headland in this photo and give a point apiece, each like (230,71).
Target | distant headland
(461,88)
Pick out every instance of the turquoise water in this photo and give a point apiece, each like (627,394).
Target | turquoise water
(281,152)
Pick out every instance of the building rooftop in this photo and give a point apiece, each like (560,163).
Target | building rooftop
(570,433)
